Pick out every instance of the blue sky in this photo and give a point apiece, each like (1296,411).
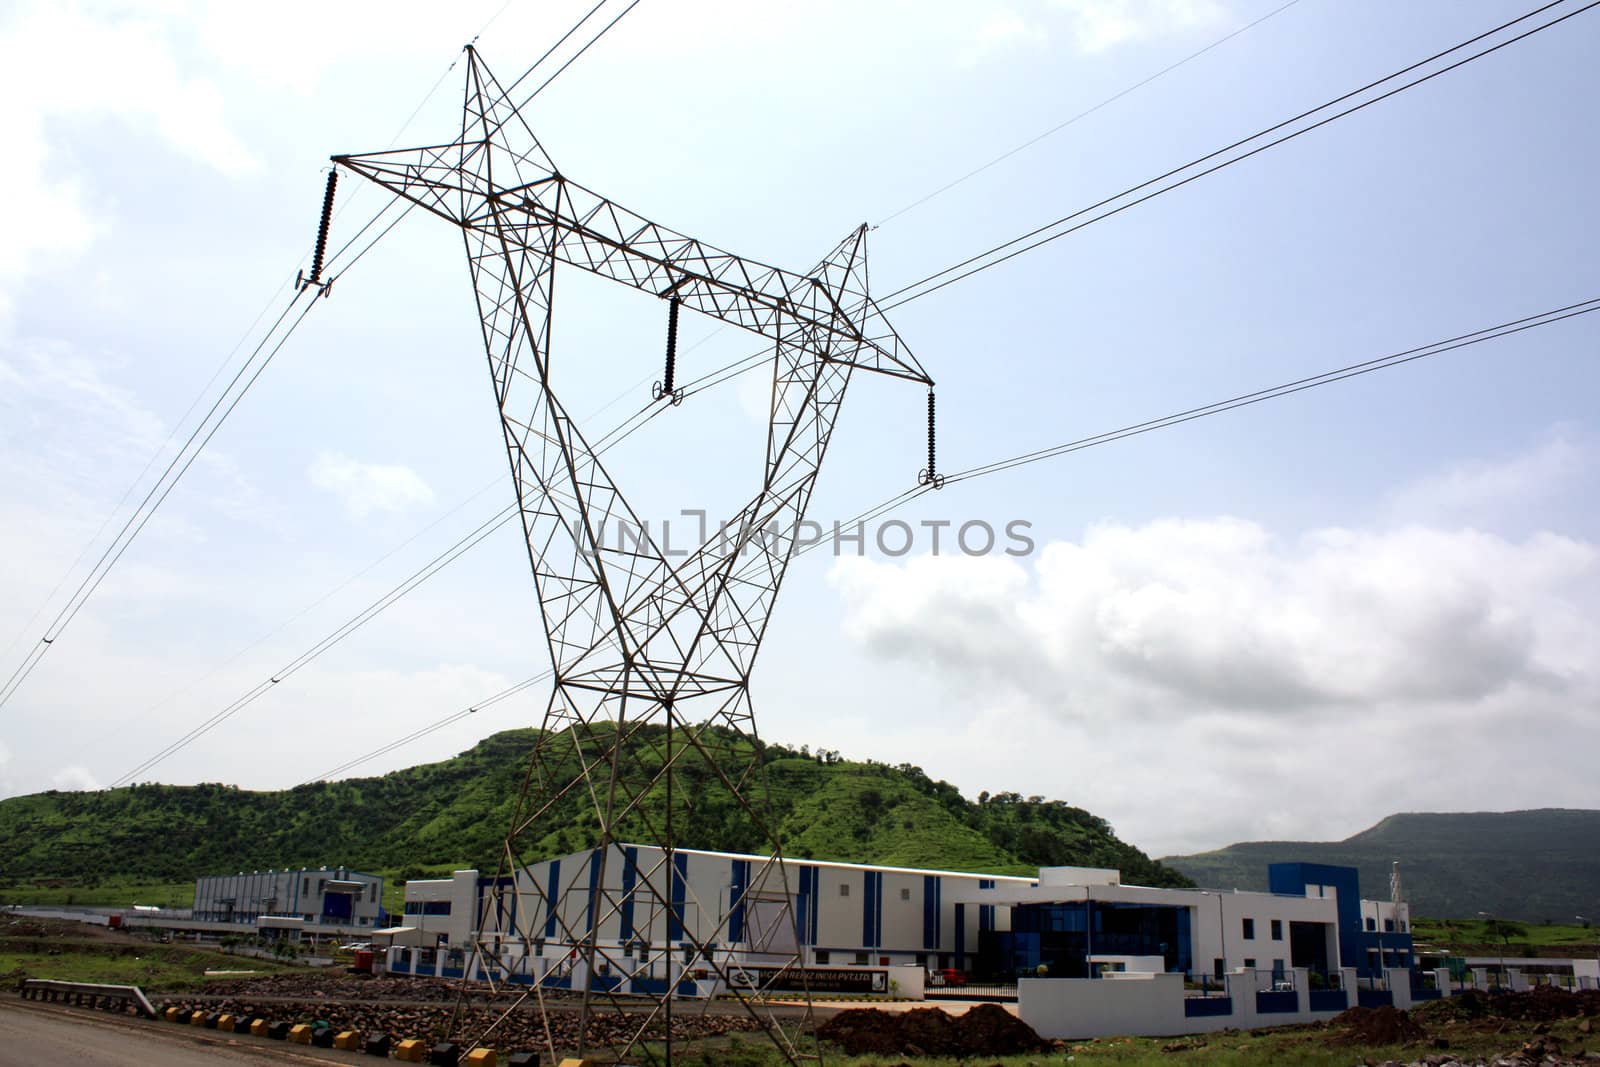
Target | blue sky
(1282,622)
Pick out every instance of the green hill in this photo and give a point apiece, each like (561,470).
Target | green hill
(454,813)
(1530,865)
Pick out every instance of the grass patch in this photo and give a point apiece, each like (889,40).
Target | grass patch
(1481,937)
(151,967)
(107,893)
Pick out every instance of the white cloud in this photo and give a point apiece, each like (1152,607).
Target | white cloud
(1217,614)
(121,67)
(75,779)
(754,392)
(1481,491)
(48,393)
(8,785)
(291,45)
(1143,667)
(369,487)
(1097,25)
(1002,30)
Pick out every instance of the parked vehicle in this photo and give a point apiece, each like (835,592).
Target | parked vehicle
(947,976)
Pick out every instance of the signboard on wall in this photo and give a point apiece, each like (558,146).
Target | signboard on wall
(817,979)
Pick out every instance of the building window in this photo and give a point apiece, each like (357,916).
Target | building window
(1218,966)
(427,907)
(1402,926)
(1372,924)
(1388,926)
(1277,929)
(844,889)
(538,946)
(1277,969)
(861,959)
(922,959)
(1249,933)
(1250,962)
(822,956)
(905,894)
(306,886)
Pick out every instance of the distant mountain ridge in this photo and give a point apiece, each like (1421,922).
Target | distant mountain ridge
(1529,865)
(455,812)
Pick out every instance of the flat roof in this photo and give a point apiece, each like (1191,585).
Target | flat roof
(1025,879)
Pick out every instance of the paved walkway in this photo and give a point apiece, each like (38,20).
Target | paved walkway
(31,1034)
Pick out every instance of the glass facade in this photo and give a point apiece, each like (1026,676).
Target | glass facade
(1060,936)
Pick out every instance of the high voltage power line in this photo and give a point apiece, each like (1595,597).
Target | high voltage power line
(1177,418)
(223,406)
(981,262)
(174,471)
(266,309)
(474,538)
(1085,113)
(477,535)
(1052,231)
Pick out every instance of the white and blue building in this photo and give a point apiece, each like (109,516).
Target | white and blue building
(652,921)
(325,900)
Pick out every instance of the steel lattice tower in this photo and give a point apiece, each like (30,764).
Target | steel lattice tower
(651,658)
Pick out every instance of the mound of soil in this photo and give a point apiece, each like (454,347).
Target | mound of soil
(985,1030)
(1540,1004)
(1379,1026)
(1544,1003)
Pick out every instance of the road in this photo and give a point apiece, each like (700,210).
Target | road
(32,1034)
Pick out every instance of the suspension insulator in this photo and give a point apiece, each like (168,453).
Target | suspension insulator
(322,229)
(672,346)
(930,475)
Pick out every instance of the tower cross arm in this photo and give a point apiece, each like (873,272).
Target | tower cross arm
(556,216)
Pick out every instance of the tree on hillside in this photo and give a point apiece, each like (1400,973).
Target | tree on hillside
(1504,930)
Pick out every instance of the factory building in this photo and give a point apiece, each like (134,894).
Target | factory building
(324,899)
(653,921)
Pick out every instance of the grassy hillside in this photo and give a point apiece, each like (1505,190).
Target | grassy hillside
(1536,866)
(454,813)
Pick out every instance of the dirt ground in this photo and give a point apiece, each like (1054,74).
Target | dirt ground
(985,1030)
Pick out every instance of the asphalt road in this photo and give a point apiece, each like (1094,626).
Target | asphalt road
(32,1034)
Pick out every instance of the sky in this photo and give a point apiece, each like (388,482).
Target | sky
(1282,622)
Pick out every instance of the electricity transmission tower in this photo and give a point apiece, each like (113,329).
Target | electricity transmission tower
(651,657)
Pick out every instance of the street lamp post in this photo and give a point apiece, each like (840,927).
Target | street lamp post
(1500,974)
(1585,920)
